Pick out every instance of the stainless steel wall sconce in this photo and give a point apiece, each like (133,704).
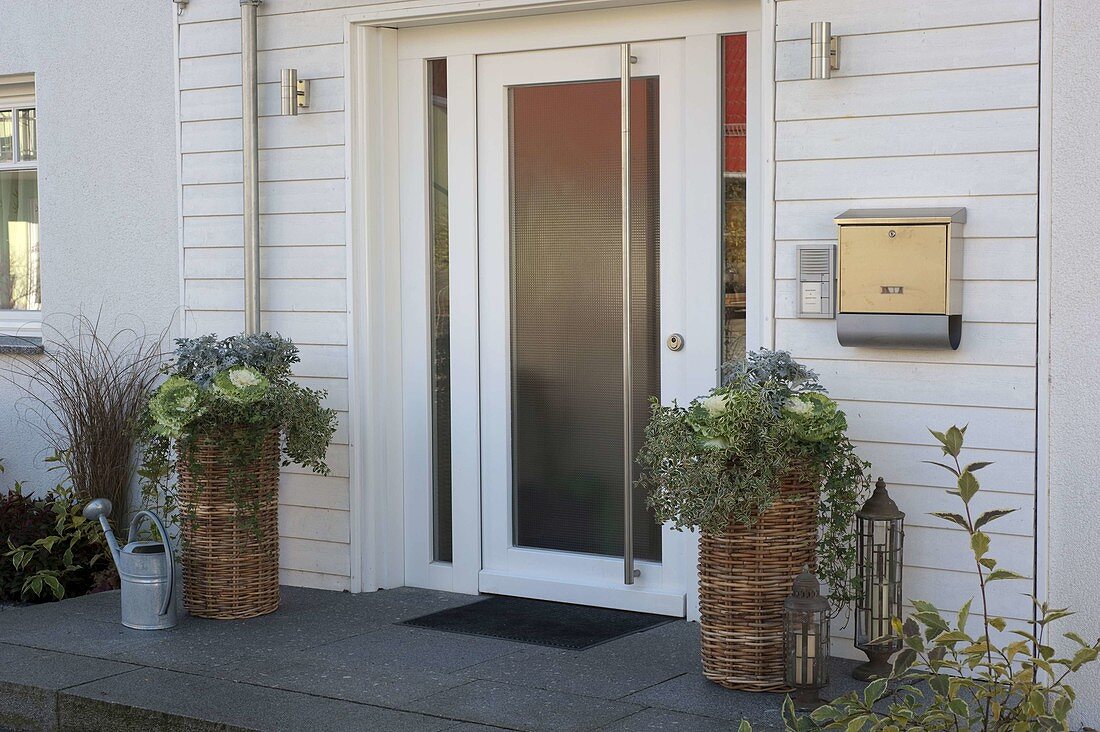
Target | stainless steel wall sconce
(294,92)
(824,50)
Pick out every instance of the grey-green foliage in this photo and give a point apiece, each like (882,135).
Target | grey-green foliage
(236,390)
(720,459)
(950,678)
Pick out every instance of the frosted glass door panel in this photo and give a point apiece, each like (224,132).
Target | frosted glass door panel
(566,311)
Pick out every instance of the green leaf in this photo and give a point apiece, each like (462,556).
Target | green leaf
(998,623)
(744,726)
(1051,615)
(945,466)
(953,444)
(964,614)
(906,658)
(968,486)
(953,518)
(1002,574)
(993,515)
(857,724)
(951,637)
(977,466)
(874,692)
(55,586)
(979,542)
(1075,638)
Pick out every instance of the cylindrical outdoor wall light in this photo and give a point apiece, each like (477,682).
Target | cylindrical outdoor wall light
(293,92)
(824,50)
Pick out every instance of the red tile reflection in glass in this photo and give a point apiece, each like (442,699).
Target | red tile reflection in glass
(735,104)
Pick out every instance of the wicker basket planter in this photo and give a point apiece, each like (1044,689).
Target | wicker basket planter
(230,564)
(745,573)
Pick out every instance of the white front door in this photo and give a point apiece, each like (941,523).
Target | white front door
(550,298)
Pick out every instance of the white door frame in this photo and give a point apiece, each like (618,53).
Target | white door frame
(390,423)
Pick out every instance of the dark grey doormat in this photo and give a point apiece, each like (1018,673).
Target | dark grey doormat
(539,622)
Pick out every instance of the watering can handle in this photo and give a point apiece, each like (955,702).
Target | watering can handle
(169,561)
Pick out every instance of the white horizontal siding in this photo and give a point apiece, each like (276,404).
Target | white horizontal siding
(964,47)
(303,260)
(935,104)
(862,18)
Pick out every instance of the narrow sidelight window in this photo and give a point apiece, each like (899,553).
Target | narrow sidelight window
(440,309)
(734,242)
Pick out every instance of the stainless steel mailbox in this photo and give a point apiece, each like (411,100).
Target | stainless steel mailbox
(900,277)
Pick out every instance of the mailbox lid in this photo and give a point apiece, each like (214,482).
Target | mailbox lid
(899,268)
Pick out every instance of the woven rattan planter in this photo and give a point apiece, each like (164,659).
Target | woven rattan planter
(744,576)
(230,563)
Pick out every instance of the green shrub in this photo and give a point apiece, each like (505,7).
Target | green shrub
(51,551)
(235,390)
(721,458)
(946,678)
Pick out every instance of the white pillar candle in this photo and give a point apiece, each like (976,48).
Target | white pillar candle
(805,658)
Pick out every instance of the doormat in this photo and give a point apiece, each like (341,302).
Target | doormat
(541,623)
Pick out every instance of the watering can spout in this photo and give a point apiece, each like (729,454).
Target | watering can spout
(100,509)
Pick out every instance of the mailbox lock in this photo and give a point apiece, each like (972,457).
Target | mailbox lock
(893,234)
(675,342)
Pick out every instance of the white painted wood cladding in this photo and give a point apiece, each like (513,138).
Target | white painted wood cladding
(303,260)
(935,104)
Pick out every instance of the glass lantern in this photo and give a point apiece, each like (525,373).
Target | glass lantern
(806,632)
(880,532)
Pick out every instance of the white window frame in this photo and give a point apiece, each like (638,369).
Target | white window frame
(17,93)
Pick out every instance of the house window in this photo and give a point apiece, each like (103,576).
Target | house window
(20,285)
(441,309)
(734,154)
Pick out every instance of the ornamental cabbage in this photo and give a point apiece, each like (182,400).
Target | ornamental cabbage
(815,417)
(241,384)
(174,405)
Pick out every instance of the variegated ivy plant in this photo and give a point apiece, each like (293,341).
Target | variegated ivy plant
(949,678)
(236,391)
(720,459)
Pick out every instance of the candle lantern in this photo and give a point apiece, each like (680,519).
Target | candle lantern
(806,629)
(880,530)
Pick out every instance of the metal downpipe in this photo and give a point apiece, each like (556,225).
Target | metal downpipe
(251,174)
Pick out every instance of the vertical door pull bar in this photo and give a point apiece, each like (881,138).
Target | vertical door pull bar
(629,572)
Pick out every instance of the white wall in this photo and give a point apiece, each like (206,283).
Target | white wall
(303,260)
(107,170)
(935,104)
(1074,463)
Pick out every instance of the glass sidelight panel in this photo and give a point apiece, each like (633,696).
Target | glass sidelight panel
(441,310)
(566,311)
(734,240)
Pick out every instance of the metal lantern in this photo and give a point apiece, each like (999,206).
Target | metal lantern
(806,629)
(880,530)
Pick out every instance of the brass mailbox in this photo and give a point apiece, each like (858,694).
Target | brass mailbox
(899,277)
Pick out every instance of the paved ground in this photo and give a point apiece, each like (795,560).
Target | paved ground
(335,661)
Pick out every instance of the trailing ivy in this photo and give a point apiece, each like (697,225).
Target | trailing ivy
(720,459)
(234,392)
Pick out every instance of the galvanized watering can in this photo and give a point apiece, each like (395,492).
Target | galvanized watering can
(146,568)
